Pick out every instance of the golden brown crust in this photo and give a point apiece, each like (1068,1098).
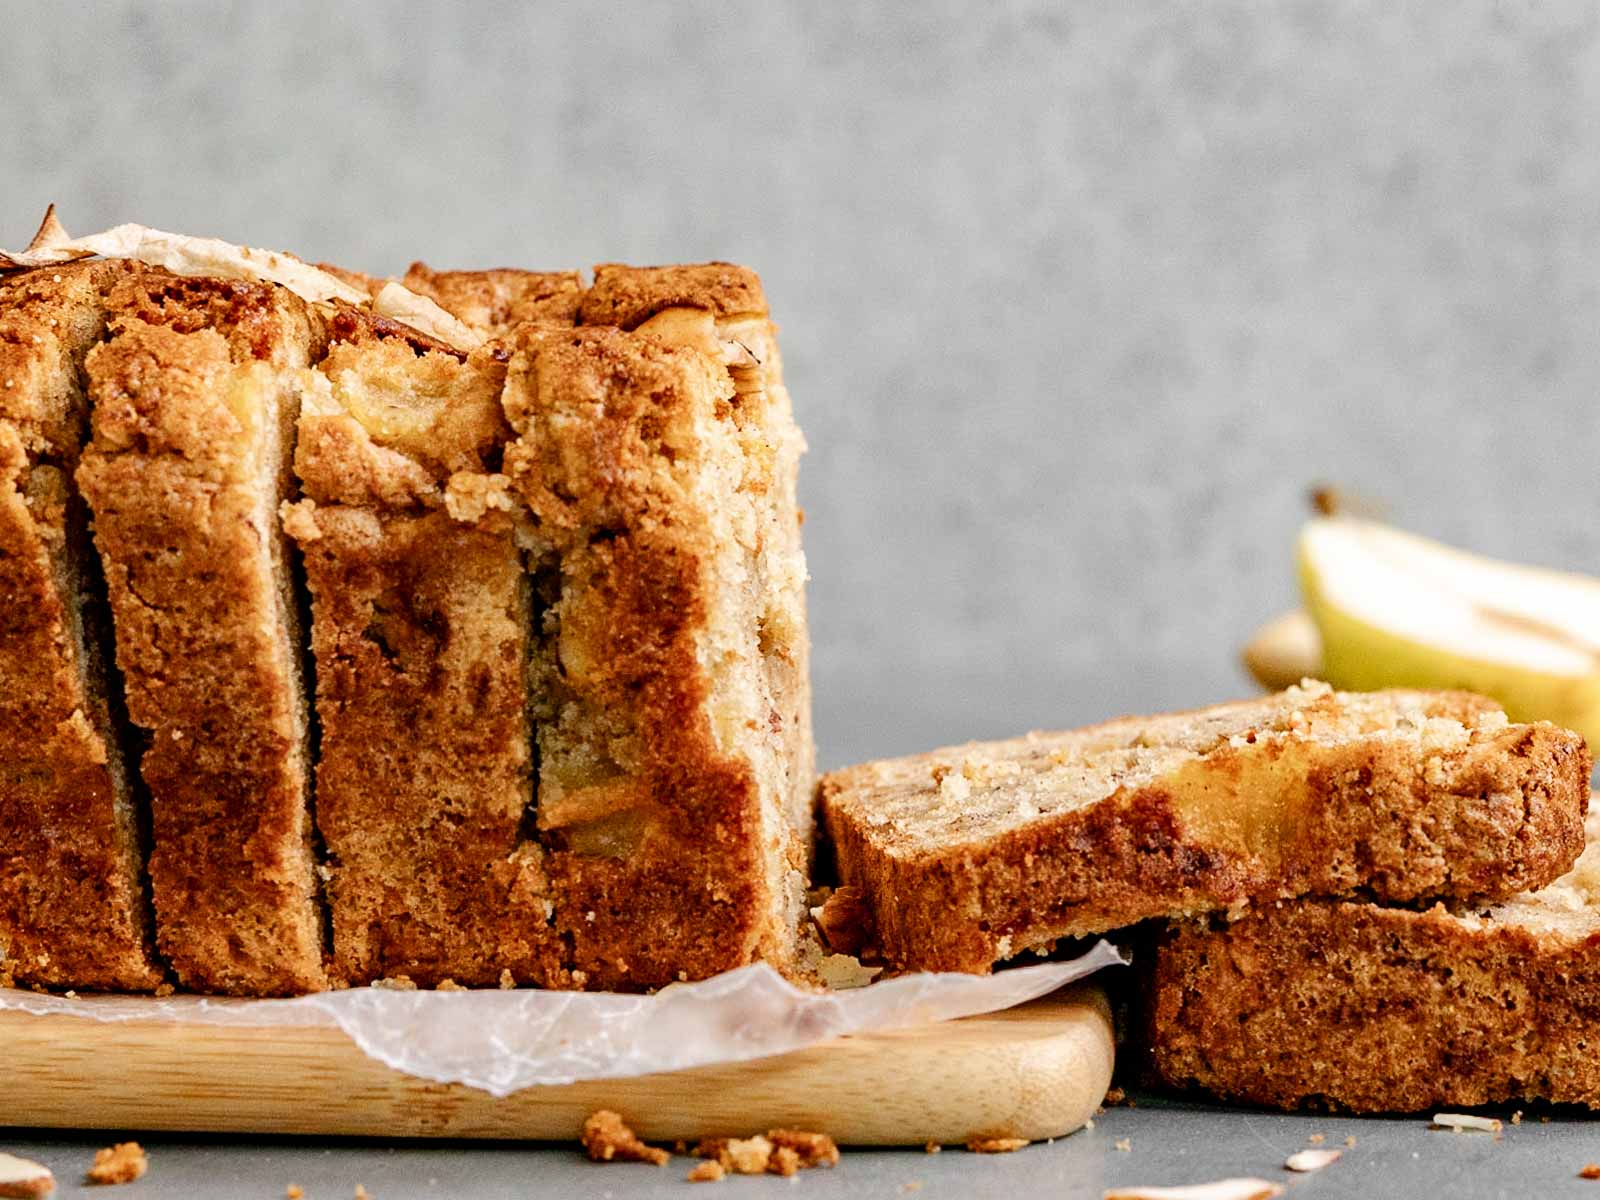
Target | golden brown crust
(1486,812)
(187,434)
(627,296)
(498,300)
(259,321)
(1352,1006)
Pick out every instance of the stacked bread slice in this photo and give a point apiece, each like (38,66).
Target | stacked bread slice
(1344,887)
(456,626)
(1369,1008)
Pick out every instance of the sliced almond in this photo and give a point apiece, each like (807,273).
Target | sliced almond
(24,1178)
(1222,1189)
(1462,1122)
(1312,1160)
(421,313)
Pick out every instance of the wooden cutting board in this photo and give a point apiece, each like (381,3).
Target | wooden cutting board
(1036,1071)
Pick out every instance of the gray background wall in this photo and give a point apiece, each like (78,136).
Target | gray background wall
(1077,298)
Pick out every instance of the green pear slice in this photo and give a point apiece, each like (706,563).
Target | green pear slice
(1394,609)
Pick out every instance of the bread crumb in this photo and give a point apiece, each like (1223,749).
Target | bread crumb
(1114,1097)
(1516,1117)
(607,1138)
(1316,1139)
(299,520)
(784,1161)
(294,1192)
(747,1156)
(709,1171)
(911,1185)
(122,1163)
(1123,1144)
(508,981)
(1590,1171)
(396,983)
(932,1148)
(449,985)
(24,1178)
(812,1149)
(1312,1160)
(995,1145)
(362,1193)
(1351,1140)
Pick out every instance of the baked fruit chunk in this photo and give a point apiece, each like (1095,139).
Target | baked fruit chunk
(195,393)
(656,456)
(422,614)
(975,853)
(72,907)
(1368,1008)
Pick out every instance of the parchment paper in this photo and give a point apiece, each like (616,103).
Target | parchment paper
(503,1041)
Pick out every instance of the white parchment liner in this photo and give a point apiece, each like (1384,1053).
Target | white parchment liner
(502,1041)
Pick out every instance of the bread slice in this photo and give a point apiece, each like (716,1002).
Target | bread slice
(975,853)
(72,906)
(1368,1008)
(195,395)
(422,615)
(656,456)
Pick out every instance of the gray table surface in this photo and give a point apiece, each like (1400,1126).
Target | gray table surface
(1169,1142)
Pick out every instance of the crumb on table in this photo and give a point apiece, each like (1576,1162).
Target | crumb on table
(709,1171)
(122,1163)
(607,1138)
(995,1145)
(778,1152)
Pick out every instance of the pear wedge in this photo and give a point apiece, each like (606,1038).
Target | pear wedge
(1394,609)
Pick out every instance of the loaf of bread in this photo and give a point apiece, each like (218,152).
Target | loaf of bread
(970,855)
(486,653)
(1373,1008)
